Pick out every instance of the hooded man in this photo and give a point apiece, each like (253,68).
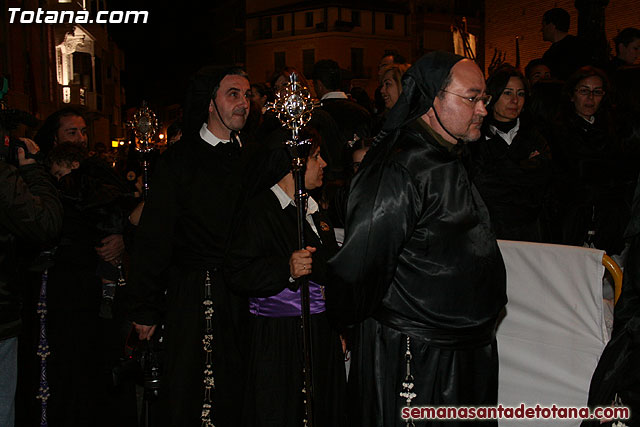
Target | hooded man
(176,274)
(420,267)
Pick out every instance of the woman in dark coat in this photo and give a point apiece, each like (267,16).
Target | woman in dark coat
(510,164)
(591,189)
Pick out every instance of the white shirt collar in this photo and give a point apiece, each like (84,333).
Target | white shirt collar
(334,95)
(508,137)
(209,137)
(285,200)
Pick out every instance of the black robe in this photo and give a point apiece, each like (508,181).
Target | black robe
(84,346)
(419,261)
(258,263)
(183,233)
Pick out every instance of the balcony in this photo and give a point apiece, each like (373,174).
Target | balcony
(78,95)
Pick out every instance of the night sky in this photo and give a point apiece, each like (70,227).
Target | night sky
(177,41)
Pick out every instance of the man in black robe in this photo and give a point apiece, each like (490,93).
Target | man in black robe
(179,247)
(420,264)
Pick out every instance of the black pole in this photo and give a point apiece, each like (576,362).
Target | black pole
(145,169)
(301,196)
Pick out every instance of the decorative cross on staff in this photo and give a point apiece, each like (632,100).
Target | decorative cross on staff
(145,126)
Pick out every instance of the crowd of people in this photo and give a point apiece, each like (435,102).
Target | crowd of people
(193,293)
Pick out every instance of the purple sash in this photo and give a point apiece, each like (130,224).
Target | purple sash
(287,303)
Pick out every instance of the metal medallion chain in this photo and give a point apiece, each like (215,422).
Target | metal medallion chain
(207,341)
(407,385)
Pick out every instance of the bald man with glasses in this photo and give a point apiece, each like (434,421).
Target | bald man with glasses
(420,275)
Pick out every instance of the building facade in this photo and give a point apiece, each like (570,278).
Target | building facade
(300,34)
(436,21)
(504,21)
(50,66)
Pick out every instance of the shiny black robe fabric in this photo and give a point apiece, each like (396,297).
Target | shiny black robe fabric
(183,233)
(258,266)
(419,261)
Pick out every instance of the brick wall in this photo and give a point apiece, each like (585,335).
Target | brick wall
(504,20)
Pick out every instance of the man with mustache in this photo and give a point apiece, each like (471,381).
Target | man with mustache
(420,273)
(198,186)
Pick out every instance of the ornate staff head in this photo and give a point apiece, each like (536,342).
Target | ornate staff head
(293,107)
(145,126)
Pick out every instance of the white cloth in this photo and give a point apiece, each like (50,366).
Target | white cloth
(458,44)
(508,137)
(285,200)
(553,334)
(210,138)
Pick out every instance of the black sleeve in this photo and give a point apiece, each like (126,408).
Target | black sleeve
(29,204)
(153,249)
(256,264)
(380,218)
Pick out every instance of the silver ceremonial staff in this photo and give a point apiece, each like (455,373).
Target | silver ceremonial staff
(293,106)
(145,126)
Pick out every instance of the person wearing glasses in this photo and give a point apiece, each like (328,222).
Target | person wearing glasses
(420,275)
(591,189)
(511,164)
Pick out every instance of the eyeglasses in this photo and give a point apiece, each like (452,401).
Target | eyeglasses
(485,99)
(583,91)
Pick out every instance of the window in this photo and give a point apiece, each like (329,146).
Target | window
(98,71)
(357,62)
(388,21)
(308,59)
(280,23)
(355,18)
(308,19)
(265,27)
(279,60)
(467,8)
(82,69)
